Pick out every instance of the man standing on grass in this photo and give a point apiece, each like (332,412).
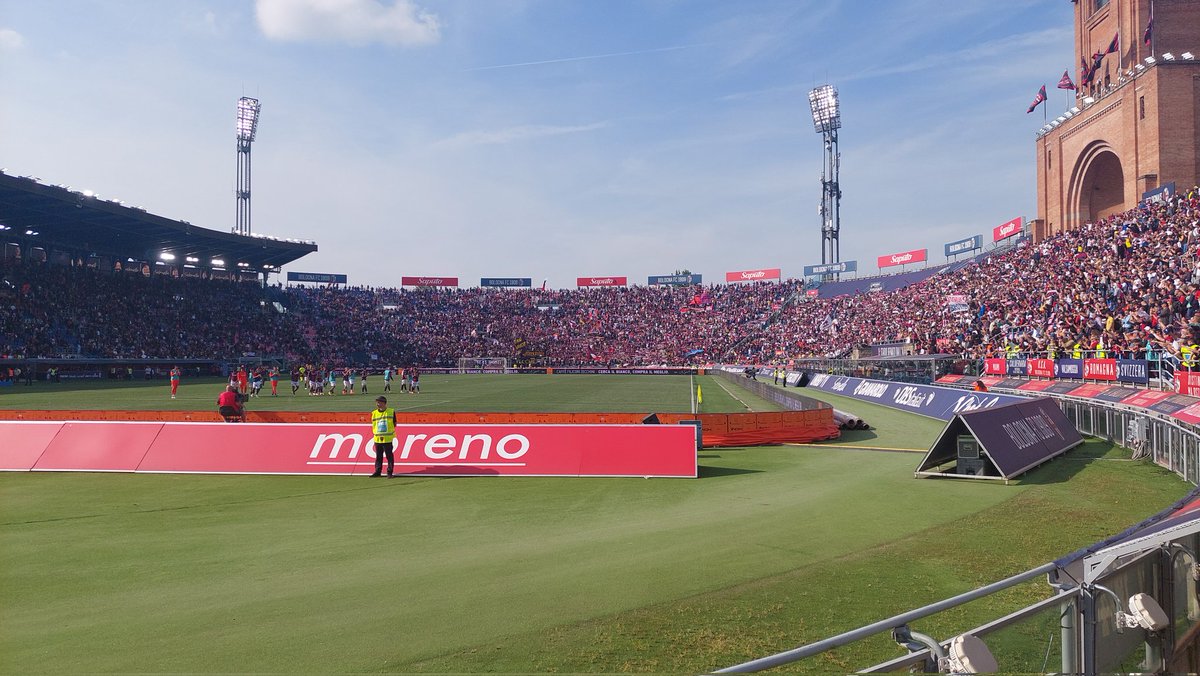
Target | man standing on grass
(175,376)
(383,425)
(387,379)
(274,381)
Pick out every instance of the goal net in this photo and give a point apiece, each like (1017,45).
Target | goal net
(483,365)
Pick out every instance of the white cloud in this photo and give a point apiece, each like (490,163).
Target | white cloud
(10,40)
(514,134)
(356,22)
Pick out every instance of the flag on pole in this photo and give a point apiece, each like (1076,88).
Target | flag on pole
(1037,100)
(1065,82)
(699,395)
(1085,73)
(1149,29)
(1114,45)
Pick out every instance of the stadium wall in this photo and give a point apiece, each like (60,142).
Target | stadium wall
(718,429)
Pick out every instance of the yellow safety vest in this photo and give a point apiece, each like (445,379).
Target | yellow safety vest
(1187,355)
(383,424)
(1076,352)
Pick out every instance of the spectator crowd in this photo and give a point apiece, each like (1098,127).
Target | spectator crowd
(1123,285)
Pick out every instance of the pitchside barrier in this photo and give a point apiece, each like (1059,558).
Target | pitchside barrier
(1133,597)
(432,450)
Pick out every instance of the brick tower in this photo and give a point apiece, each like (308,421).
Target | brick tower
(1135,125)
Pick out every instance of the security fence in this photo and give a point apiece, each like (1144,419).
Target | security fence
(1128,604)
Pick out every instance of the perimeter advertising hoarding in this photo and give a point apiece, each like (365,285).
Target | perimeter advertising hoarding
(903,258)
(673,280)
(964,245)
(1133,371)
(1007,229)
(429,281)
(601,281)
(430,449)
(1068,368)
(1013,438)
(570,370)
(500,282)
(316,277)
(1187,382)
(1099,369)
(1041,368)
(995,366)
(830,268)
(942,403)
(760,275)
(1160,194)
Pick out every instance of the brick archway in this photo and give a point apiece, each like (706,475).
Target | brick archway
(1097,186)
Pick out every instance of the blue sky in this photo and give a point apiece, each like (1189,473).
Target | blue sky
(549,139)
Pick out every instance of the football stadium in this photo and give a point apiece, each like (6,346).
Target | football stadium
(215,463)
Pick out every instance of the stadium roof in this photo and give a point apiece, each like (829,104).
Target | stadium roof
(59,218)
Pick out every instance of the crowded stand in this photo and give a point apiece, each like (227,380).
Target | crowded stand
(1124,285)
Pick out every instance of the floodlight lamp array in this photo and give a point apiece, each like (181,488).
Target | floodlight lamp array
(824,103)
(247,118)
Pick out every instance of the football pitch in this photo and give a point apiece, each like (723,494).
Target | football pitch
(770,548)
(439,393)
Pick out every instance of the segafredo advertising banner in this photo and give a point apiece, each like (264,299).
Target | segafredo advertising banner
(761,275)
(601,281)
(429,281)
(904,258)
(320,448)
(942,403)
(1007,229)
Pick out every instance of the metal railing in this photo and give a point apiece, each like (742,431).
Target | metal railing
(1084,619)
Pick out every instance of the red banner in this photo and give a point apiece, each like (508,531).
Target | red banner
(914,256)
(429,281)
(1041,368)
(1099,369)
(433,450)
(1007,229)
(1187,382)
(995,367)
(601,281)
(753,275)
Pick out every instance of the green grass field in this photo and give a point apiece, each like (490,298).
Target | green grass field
(772,547)
(485,393)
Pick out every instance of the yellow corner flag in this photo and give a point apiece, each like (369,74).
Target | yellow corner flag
(699,395)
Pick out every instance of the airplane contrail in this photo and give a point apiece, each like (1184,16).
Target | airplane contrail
(584,58)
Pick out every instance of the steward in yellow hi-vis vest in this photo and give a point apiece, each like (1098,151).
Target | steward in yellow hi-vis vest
(383,427)
(1187,356)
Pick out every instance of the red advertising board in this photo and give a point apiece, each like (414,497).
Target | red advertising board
(601,281)
(1099,369)
(995,367)
(1041,368)
(1088,391)
(429,281)
(1007,229)
(914,256)
(753,275)
(1145,398)
(1036,385)
(1187,382)
(433,450)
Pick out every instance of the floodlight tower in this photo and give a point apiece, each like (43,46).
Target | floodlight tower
(247,126)
(827,120)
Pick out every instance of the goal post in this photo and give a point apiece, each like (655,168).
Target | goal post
(483,365)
